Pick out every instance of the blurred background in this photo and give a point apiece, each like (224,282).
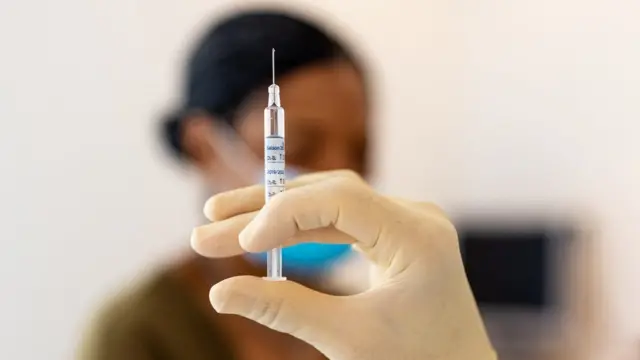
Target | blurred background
(520,118)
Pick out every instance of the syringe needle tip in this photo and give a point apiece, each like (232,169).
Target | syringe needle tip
(273,64)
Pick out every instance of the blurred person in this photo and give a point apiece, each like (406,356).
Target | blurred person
(219,131)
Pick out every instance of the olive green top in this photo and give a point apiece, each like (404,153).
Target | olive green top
(156,321)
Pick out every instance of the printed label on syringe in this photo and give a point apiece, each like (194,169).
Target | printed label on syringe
(274,175)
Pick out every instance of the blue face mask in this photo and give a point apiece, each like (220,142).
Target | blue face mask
(307,258)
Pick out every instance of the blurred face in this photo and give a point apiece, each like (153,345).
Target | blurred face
(325,117)
(326,128)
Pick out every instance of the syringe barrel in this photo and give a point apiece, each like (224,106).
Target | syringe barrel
(274,175)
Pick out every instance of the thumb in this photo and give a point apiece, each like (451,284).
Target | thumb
(283,306)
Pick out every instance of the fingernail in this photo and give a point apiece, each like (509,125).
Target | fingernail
(195,239)
(244,238)
(209,209)
(216,297)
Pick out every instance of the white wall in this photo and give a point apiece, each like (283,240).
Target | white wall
(86,201)
(508,104)
(551,108)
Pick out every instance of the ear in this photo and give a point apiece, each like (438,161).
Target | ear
(197,135)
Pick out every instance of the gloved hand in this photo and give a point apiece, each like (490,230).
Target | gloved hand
(420,305)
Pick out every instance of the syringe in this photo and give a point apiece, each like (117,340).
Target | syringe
(274,162)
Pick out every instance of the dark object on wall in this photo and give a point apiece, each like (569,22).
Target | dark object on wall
(510,267)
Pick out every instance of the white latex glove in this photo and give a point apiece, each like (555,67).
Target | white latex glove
(420,305)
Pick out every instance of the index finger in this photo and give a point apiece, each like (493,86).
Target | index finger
(239,201)
(349,206)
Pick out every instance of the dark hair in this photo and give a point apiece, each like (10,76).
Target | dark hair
(232,61)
